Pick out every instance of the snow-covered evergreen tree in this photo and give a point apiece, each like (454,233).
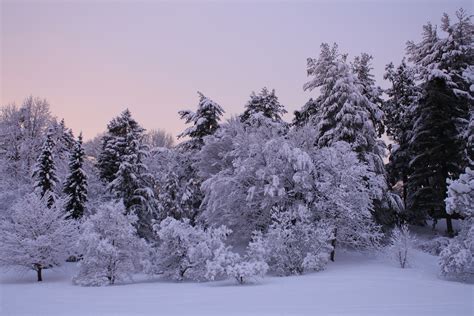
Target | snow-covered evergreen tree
(36,235)
(442,115)
(347,113)
(121,165)
(306,114)
(265,103)
(399,120)
(75,187)
(114,144)
(184,249)
(295,244)
(362,68)
(205,121)
(110,247)
(45,171)
(437,153)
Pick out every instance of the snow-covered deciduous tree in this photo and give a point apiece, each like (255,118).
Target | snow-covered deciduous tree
(400,245)
(265,103)
(110,247)
(157,138)
(45,171)
(36,235)
(75,186)
(243,269)
(294,243)
(205,121)
(344,200)
(457,259)
(184,249)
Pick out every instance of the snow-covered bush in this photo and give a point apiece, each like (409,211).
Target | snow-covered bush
(110,247)
(35,236)
(434,246)
(242,268)
(184,249)
(295,244)
(400,246)
(457,259)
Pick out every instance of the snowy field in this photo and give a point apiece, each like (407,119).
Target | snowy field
(354,285)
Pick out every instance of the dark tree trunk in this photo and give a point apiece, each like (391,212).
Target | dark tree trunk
(333,243)
(38,274)
(449,226)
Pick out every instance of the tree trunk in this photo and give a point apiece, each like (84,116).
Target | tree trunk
(333,243)
(38,274)
(449,226)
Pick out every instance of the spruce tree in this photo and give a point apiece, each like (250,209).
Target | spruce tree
(398,120)
(345,113)
(442,116)
(265,103)
(45,170)
(114,144)
(205,121)
(121,163)
(75,186)
(437,153)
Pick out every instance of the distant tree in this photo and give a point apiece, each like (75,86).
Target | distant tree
(205,120)
(75,187)
(158,138)
(45,171)
(400,245)
(264,103)
(36,235)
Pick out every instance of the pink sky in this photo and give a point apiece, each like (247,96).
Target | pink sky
(92,59)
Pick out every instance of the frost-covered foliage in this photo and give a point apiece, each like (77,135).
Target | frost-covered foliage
(110,247)
(36,235)
(205,120)
(249,170)
(295,244)
(264,103)
(243,269)
(75,186)
(434,246)
(457,259)
(400,245)
(183,249)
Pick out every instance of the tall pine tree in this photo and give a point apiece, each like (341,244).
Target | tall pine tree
(121,165)
(45,170)
(75,186)
(398,121)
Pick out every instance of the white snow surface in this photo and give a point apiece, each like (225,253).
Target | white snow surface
(356,284)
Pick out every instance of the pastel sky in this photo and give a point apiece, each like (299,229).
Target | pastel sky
(92,59)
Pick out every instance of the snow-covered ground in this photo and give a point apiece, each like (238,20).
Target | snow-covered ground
(355,285)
